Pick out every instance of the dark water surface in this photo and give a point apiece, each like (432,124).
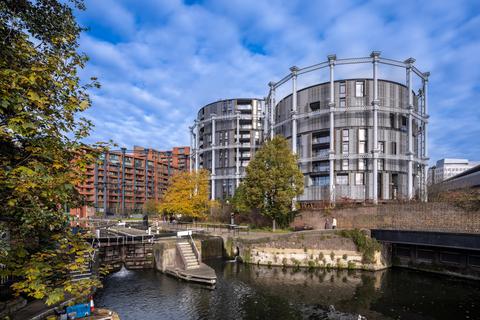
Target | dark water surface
(252,292)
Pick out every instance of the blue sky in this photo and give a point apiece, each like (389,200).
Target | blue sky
(159,61)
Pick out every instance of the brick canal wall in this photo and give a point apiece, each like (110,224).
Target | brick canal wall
(432,216)
(311,249)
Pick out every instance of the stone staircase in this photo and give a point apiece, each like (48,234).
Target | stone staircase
(188,255)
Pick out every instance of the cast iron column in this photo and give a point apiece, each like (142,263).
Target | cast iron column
(331,105)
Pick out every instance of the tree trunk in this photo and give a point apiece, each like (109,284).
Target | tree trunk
(274,225)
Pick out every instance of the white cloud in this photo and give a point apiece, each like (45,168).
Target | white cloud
(164,59)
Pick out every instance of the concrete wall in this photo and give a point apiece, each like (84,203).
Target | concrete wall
(164,254)
(311,249)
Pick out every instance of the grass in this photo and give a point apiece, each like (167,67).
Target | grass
(269,229)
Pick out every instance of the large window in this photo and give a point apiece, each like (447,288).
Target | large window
(342,179)
(321,180)
(359,88)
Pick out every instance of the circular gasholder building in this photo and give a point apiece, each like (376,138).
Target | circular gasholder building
(357,139)
(224,138)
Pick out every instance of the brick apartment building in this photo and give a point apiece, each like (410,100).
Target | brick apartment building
(124,180)
(178,157)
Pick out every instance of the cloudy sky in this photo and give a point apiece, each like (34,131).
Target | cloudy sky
(160,60)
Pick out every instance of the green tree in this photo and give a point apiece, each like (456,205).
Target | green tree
(42,157)
(188,194)
(273,179)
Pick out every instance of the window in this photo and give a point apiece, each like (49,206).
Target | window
(359,179)
(381,165)
(404,122)
(362,164)
(394,148)
(321,180)
(381,146)
(342,88)
(315,106)
(342,179)
(359,88)
(345,164)
(361,147)
(362,140)
(362,134)
(342,103)
(345,139)
(392,120)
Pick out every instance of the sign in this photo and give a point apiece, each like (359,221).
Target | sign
(184,233)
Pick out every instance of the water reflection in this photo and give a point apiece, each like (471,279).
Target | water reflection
(253,292)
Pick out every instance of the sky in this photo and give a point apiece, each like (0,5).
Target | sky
(159,61)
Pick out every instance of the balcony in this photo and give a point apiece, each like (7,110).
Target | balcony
(321,140)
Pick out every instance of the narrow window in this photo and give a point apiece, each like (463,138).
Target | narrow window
(394,148)
(381,146)
(342,88)
(359,179)
(359,89)
(342,103)
(345,164)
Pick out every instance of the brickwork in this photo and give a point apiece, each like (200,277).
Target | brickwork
(434,216)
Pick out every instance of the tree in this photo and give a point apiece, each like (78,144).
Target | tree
(151,207)
(42,156)
(188,194)
(273,179)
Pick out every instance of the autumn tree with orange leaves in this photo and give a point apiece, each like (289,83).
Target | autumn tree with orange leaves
(188,194)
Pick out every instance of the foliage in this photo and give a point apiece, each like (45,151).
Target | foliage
(238,201)
(188,194)
(151,206)
(466,199)
(273,179)
(365,244)
(42,156)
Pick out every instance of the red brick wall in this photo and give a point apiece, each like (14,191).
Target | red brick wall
(436,216)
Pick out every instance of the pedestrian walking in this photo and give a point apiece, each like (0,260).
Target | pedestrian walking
(334,223)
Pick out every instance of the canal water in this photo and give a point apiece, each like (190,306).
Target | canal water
(256,292)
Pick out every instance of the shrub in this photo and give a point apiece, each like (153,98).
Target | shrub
(365,244)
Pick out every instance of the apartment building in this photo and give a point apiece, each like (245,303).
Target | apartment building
(124,180)
(356,138)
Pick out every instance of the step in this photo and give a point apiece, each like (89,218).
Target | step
(190,268)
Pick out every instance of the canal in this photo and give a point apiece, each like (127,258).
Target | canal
(253,292)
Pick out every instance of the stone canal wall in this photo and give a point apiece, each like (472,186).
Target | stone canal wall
(311,249)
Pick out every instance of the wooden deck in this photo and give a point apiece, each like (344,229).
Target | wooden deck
(204,274)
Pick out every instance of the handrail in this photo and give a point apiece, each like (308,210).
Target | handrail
(195,249)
